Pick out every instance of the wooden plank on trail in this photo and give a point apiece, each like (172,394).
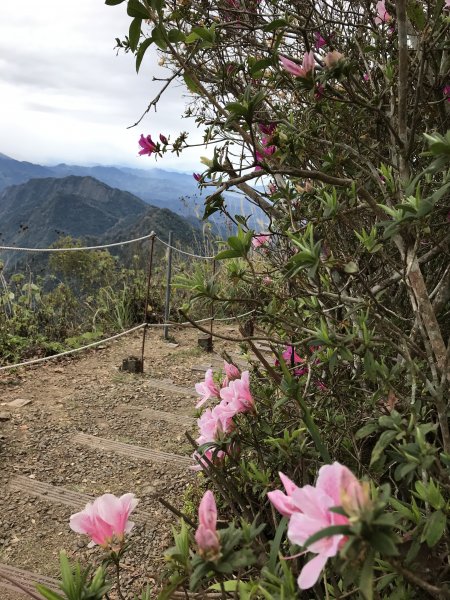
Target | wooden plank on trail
(27,579)
(137,452)
(60,495)
(158,415)
(165,386)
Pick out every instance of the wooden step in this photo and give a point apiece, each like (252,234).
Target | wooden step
(136,452)
(64,496)
(27,580)
(158,415)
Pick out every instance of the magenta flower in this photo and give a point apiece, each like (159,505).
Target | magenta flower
(283,502)
(163,139)
(291,358)
(147,145)
(366,77)
(206,535)
(382,14)
(310,512)
(319,91)
(446,90)
(260,240)
(105,520)
(304,70)
(320,42)
(236,396)
(267,129)
(207,389)
(197,176)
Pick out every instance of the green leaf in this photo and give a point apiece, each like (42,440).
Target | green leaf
(383,543)
(351,267)
(259,66)
(383,442)
(142,50)
(175,36)
(416,15)
(327,532)
(275,544)
(276,24)
(434,528)
(113,2)
(228,254)
(366,577)
(158,35)
(47,593)
(366,430)
(190,83)
(136,9)
(134,33)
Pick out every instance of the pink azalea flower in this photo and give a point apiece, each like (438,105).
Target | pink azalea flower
(446,90)
(304,70)
(272,188)
(267,280)
(207,425)
(231,372)
(334,483)
(207,389)
(319,91)
(332,58)
(147,145)
(260,240)
(283,502)
(319,40)
(291,358)
(197,176)
(267,129)
(382,14)
(237,396)
(447,5)
(366,77)
(206,535)
(106,519)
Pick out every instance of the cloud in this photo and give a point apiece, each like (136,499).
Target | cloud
(67,97)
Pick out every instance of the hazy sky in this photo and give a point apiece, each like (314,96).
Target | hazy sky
(66,97)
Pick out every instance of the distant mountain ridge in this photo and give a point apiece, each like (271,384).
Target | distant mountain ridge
(166,189)
(36,213)
(155,186)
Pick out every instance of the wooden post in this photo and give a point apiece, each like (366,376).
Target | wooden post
(168,286)
(212,305)
(147,296)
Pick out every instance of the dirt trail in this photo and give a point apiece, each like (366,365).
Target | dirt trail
(62,447)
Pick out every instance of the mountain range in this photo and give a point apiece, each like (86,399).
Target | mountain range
(36,213)
(167,189)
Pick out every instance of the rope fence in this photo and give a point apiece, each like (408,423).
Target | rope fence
(145,325)
(112,245)
(78,248)
(183,251)
(114,337)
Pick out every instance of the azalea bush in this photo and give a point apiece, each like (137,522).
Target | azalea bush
(329,460)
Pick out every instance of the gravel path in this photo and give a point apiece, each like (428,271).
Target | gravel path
(90,395)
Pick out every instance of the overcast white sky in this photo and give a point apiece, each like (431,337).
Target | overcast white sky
(66,97)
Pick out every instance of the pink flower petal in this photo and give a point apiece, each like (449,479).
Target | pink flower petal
(311,572)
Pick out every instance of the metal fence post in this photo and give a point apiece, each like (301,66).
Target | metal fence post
(147,296)
(168,286)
